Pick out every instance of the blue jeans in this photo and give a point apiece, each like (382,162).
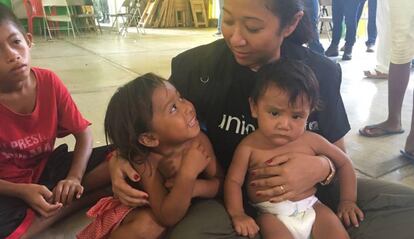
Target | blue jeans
(312,10)
(347,9)
(221,4)
(372,17)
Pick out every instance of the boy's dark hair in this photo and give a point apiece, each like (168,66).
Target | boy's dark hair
(129,114)
(292,76)
(6,15)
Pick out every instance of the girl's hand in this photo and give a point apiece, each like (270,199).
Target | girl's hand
(245,225)
(38,197)
(349,213)
(120,168)
(195,159)
(288,175)
(66,190)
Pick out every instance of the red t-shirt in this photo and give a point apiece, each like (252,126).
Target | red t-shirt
(27,140)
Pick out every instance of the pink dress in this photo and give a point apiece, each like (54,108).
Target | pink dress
(108,213)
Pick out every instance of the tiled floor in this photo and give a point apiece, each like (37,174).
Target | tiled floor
(93,66)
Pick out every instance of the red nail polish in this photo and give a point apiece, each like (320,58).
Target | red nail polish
(253,173)
(136,177)
(253,184)
(258,194)
(269,161)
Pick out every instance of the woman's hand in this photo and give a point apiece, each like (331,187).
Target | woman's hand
(349,213)
(245,225)
(286,176)
(38,197)
(120,169)
(65,191)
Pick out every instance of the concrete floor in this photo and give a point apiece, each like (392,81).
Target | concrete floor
(93,66)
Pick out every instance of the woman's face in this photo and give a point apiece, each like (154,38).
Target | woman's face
(252,32)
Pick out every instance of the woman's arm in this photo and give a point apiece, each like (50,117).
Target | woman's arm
(296,172)
(70,187)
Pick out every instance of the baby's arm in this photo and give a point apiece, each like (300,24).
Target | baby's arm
(211,181)
(71,187)
(348,211)
(243,224)
(170,208)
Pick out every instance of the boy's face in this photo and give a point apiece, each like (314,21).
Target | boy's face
(14,54)
(279,121)
(174,118)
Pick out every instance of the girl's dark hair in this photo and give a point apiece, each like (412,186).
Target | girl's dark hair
(286,10)
(292,76)
(129,114)
(7,16)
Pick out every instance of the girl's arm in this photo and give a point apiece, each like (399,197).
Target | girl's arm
(211,181)
(71,187)
(170,208)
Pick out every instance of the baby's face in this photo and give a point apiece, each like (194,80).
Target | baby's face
(174,118)
(279,121)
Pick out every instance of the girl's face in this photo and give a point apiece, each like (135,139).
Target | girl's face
(174,118)
(252,32)
(279,121)
(14,54)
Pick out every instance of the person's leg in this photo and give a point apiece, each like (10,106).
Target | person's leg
(139,223)
(312,9)
(372,26)
(388,209)
(220,18)
(384,37)
(350,12)
(402,53)
(337,18)
(327,225)
(206,219)
(272,228)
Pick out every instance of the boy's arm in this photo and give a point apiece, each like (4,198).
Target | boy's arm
(343,165)
(71,187)
(35,195)
(234,181)
(211,182)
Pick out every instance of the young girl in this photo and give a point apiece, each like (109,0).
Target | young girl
(157,131)
(285,94)
(37,187)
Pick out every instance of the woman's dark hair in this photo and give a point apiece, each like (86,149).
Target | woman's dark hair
(292,76)
(286,10)
(129,114)
(7,16)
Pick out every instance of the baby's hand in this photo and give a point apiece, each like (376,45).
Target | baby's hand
(245,225)
(195,159)
(66,190)
(349,213)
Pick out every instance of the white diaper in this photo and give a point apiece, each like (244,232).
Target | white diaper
(297,216)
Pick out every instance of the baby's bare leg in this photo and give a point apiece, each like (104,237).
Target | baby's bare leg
(327,225)
(139,223)
(272,227)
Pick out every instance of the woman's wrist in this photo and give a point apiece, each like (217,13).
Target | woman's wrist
(331,175)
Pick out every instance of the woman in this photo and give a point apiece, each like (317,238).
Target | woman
(218,77)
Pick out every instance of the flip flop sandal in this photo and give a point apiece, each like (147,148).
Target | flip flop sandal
(378,131)
(375,75)
(407,155)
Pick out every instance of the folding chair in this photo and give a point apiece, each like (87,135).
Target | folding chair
(129,13)
(53,19)
(34,10)
(325,19)
(84,15)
